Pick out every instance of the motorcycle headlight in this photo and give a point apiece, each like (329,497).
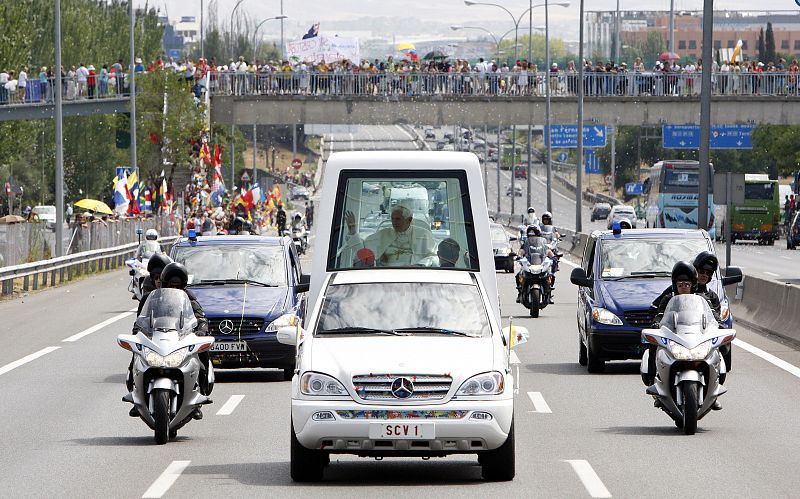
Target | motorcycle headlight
(155,359)
(319,384)
(283,321)
(680,352)
(604,316)
(724,312)
(491,383)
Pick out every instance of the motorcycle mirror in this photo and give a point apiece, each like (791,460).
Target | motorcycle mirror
(733,275)
(180,322)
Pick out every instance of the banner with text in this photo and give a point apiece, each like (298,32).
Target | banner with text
(324,49)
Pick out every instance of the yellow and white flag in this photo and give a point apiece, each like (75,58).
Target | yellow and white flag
(518,336)
(737,51)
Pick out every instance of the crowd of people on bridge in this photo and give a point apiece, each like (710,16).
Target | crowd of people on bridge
(405,76)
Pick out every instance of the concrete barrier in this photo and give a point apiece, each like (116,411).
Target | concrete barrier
(769,306)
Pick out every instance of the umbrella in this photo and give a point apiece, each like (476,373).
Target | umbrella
(94,205)
(669,56)
(435,54)
(11,219)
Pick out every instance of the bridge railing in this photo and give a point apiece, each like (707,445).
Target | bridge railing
(38,91)
(510,84)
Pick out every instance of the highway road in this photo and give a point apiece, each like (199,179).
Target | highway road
(66,433)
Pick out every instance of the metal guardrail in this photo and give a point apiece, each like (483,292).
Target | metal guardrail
(67,267)
(509,84)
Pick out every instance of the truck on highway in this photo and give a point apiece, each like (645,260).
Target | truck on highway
(759,217)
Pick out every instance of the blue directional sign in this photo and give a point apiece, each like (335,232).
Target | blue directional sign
(634,188)
(722,136)
(562,157)
(566,136)
(592,162)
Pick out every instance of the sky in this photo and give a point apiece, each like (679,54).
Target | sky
(303,13)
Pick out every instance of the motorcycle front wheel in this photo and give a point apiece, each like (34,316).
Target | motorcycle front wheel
(534,302)
(690,394)
(161,415)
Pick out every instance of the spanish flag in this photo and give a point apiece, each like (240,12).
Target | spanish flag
(737,51)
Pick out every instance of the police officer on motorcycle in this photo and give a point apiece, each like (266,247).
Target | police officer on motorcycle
(530,218)
(707,264)
(534,244)
(176,276)
(154,267)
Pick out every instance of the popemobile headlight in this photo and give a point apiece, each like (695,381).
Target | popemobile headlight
(318,384)
(283,321)
(174,359)
(604,316)
(680,352)
(491,383)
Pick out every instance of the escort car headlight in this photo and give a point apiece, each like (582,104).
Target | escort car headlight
(491,383)
(155,359)
(680,352)
(319,384)
(283,321)
(604,316)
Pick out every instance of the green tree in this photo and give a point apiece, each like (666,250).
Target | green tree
(769,45)
(777,146)
(762,50)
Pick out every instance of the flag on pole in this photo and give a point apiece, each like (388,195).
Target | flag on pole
(737,51)
(148,199)
(312,31)
(517,337)
(217,159)
(121,196)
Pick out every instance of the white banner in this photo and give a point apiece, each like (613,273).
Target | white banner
(324,49)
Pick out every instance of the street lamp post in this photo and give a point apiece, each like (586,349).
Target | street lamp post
(579,165)
(59,141)
(230,33)
(255,32)
(202,40)
(132,88)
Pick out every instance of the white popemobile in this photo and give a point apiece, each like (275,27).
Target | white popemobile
(403,353)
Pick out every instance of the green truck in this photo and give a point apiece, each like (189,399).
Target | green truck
(759,217)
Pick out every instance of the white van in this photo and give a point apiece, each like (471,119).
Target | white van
(403,353)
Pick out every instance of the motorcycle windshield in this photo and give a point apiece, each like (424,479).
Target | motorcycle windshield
(535,259)
(689,314)
(169,310)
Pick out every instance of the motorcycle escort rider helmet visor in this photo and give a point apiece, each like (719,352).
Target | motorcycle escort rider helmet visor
(547,218)
(156,265)
(533,231)
(151,235)
(174,275)
(684,275)
(706,263)
(531,209)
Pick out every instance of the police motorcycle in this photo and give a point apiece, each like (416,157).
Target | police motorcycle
(299,234)
(537,278)
(166,365)
(688,360)
(137,265)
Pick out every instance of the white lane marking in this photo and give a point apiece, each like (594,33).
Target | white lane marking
(97,327)
(775,361)
(773,274)
(594,486)
(785,257)
(26,359)
(165,481)
(544,183)
(759,252)
(539,404)
(573,265)
(230,405)
(514,358)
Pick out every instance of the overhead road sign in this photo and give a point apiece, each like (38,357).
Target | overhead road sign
(634,188)
(722,136)
(592,162)
(566,136)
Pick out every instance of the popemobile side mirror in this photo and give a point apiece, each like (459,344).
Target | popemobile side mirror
(578,278)
(304,284)
(288,335)
(733,275)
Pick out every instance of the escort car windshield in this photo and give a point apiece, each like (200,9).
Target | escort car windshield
(644,258)
(402,219)
(233,264)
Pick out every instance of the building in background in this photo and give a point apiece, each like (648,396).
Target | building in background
(729,27)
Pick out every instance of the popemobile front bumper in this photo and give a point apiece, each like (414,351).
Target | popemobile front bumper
(459,426)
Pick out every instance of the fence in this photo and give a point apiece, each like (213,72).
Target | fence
(62,269)
(31,242)
(416,84)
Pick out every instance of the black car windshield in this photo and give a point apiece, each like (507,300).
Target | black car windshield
(646,257)
(168,309)
(258,264)
(432,308)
